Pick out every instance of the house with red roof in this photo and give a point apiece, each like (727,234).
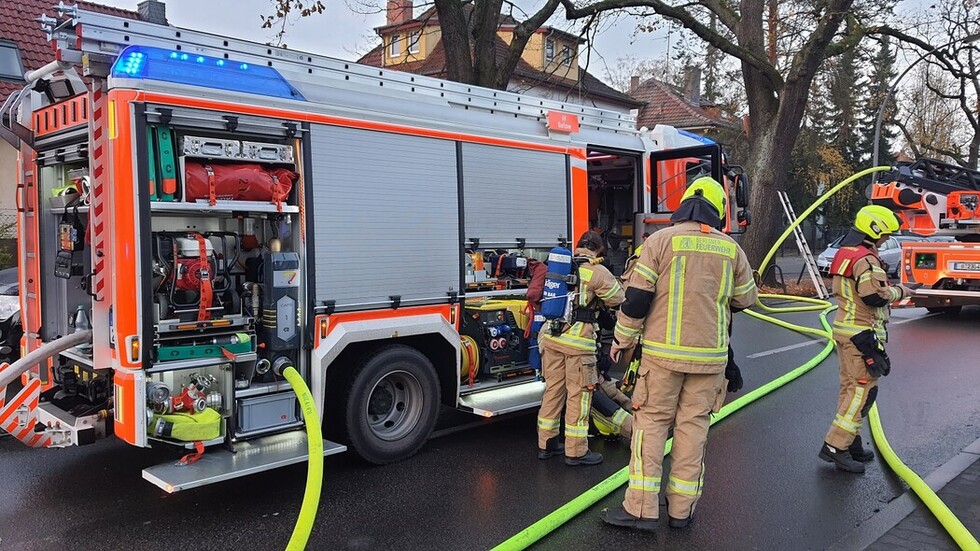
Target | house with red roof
(682,108)
(549,66)
(24,47)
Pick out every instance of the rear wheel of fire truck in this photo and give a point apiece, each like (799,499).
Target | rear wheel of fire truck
(392,404)
(946,310)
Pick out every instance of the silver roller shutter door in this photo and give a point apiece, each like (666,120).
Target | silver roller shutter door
(514,193)
(385,217)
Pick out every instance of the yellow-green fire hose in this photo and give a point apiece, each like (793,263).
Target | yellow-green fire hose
(960,534)
(314,473)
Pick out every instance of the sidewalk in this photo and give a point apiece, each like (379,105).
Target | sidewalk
(921,530)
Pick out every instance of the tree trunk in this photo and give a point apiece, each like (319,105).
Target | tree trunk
(455,42)
(767,167)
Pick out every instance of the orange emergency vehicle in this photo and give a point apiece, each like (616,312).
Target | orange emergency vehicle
(217,210)
(935,199)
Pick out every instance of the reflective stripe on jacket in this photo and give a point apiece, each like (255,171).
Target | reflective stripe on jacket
(697,275)
(854,315)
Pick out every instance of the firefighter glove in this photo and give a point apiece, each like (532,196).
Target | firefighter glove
(732,373)
(876,361)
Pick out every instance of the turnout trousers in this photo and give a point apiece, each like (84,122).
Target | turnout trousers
(663,398)
(858,391)
(569,381)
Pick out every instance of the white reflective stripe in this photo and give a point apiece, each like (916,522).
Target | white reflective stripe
(644,483)
(744,288)
(611,292)
(685,352)
(547,424)
(723,291)
(619,418)
(556,257)
(576,431)
(676,305)
(848,426)
(647,273)
(685,487)
(855,403)
(625,334)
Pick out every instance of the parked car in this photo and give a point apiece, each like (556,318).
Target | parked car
(10,326)
(890,253)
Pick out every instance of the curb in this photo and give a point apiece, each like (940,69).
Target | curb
(880,523)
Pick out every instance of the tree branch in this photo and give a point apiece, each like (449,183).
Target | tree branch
(688,20)
(728,16)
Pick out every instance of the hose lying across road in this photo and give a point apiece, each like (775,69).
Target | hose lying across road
(566,512)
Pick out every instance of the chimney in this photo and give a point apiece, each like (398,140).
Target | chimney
(152,11)
(634,83)
(692,85)
(399,11)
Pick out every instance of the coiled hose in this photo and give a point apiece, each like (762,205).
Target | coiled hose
(566,512)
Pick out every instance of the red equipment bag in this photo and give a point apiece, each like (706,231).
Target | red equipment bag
(237,182)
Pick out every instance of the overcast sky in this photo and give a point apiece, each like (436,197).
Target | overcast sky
(339,32)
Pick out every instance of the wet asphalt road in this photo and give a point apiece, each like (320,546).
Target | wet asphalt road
(472,489)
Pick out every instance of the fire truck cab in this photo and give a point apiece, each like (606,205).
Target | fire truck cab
(217,210)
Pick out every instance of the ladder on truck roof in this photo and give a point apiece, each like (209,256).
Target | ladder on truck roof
(84,32)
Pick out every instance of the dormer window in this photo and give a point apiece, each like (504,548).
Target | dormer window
(549,50)
(395,45)
(414,40)
(11,67)
(566,56)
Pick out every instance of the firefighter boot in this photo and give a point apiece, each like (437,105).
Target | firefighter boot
(842,458)
(859,452)
(553,448)
(590,458)
(619,517)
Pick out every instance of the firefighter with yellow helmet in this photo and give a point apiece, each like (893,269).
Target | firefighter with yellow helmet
(685,285)
(863,294)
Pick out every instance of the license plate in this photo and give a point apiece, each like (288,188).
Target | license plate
(966,266)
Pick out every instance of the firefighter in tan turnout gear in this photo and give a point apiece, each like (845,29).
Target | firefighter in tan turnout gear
(679,299)
(863,294)
(568,361)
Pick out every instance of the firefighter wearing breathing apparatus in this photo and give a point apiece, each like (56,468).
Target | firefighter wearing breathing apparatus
(568,359)
(863,293)
(679,299)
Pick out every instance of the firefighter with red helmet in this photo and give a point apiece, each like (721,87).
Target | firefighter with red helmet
(863,294)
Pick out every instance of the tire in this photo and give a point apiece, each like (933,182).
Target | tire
(946,310)
(392,404)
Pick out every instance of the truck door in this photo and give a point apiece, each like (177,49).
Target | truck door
(670,173)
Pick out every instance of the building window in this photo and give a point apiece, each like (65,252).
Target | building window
(549,50)
(395,45)
(414,41)
(11,67)
(566,56)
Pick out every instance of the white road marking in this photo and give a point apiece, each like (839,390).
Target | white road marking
(782,349)
(808,343)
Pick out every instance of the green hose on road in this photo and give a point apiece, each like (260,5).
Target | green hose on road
(956,530)
(554,520)
(314,473)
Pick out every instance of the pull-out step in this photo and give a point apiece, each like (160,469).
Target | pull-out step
(504,400)
(219,464)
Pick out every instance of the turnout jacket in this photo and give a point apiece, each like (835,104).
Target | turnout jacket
(863,293)
(595,281)
(681,294)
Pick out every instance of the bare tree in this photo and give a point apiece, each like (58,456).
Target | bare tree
(777,86)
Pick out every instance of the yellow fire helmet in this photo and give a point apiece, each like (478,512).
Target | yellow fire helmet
(876,221)
(709,189)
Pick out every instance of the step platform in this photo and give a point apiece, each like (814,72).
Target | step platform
(250,457)
(504,400)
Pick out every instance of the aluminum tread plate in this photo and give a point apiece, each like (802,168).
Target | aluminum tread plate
(217,465)
(504,400)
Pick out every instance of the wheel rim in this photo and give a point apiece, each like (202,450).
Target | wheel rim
(394,405)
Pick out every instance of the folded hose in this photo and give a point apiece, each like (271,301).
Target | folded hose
(549,523)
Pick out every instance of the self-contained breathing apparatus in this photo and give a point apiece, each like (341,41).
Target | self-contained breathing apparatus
(561,290)
(872,350)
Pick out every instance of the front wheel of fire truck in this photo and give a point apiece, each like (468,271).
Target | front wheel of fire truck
(392,404)
(946,310)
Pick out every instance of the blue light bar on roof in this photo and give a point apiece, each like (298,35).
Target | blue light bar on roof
(702,139)
(144,62)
